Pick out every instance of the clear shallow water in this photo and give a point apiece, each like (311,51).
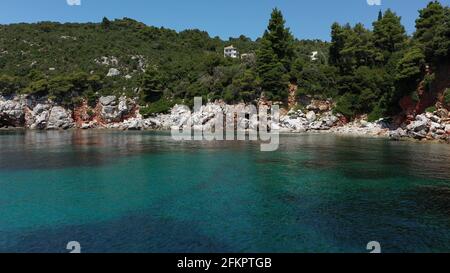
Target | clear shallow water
(143,192)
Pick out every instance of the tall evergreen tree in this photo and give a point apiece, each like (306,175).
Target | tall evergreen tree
(271,72)
(429,25)
(337,43)
(153,84)
(106,24)
(388,33)
(380,15)
(358,49)
(275,57)
(281,38)
(441,41)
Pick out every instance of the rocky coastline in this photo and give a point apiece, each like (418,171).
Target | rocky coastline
(122,113)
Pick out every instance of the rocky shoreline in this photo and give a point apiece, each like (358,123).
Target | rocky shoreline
(123,113)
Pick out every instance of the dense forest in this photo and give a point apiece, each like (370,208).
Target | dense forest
(365,71)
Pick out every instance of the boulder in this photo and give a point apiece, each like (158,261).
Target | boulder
(423,117)
(111,111)
(397,134)
(447,129)
(113,72)
(436,126)
(123,107)
(60,118)
(153,123)
(12,112)
(318,125)
(39,121)
(417,126)
(108,100)
(291,124)
(330,120)
(435,119)
(133,124)
(39,108)
(311,116)
(419,135)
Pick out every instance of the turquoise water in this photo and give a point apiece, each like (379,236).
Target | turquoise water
(143,192)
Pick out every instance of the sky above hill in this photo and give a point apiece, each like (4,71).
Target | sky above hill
(308,19)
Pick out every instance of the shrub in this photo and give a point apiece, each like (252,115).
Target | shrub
(447,96)
(376,114)
(90,113)
(428,81)
(430,109)
(161,106)
(415,96)
(299,107)
(344,106)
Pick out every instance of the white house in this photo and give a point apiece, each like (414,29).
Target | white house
(231,52)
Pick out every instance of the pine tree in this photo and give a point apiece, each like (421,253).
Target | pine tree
(281,38)
(275,57)
(428,29)
(106,24)
(441,41)
(358,49)
(380,15)
(337,43)
(389,33)
(271,72)
(152,84)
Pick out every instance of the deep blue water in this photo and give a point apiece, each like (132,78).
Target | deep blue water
(143,192)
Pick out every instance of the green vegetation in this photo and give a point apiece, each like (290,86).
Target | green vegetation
(364,71)
(160,106)
(430,109)
(65,61)
(275,57)
(433,32)
(447,96)
(375,69)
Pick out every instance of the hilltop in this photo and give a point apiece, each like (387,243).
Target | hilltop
(68,62)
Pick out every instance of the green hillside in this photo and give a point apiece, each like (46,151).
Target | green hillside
(66,61)
(365,70)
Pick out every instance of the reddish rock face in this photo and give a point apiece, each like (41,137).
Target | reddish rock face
(407,103)
(84,114)
(292,99)
(343,120)
(426,100)
(81,114)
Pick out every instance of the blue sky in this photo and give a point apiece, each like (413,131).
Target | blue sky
(308,19)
